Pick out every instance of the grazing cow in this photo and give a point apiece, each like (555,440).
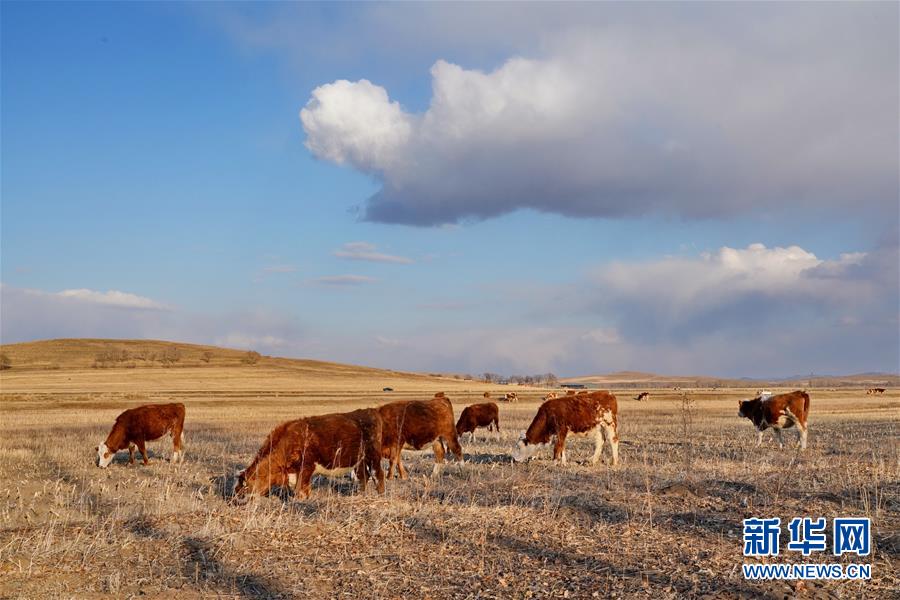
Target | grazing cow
(874,391)
(487,395)
(411,425)
(333,445)
(136,426)
(511,397)
(778,412)
(580,414)
(642,396)
(478,415)
(551,396)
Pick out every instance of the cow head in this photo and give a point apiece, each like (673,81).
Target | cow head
(258,480)
(746,407)
(523,450)
(104,455)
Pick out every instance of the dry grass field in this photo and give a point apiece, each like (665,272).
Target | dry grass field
(666,523)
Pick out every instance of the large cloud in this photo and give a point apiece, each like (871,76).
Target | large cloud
(787,110)
(749,294)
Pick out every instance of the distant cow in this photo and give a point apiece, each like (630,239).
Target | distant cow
(136,426)
(551,396)
(333,445)
(412,424)
(874,391)
(778,412)
(764,393)
(642,396)
(478,415)
(487,395)
(511,397)
(592,414)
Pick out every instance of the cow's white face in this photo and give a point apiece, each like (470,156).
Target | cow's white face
(523,450)
(104,456)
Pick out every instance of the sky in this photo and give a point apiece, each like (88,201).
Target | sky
(698,188)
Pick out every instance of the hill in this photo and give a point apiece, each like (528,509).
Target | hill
(97,365)
(635,379)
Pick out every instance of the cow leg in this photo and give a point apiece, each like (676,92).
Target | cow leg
(377,472)
(304,480)
(559,449)
(611,435)
(178,445)
(599,436)
(780,437)
(438,448)
(801,435)
(362,474)
(130,454)
(759,438)
(143,448)
(401,470)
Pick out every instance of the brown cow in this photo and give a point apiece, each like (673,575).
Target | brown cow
(778,412)
(136,426)
(579,414)
(332,445)
(874,391)
(642,396)
(478,415)
(511,397)
(411,424)
(551,396)
(487,395)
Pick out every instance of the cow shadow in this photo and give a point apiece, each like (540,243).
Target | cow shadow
(484,458)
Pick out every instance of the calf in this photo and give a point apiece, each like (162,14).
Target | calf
(478,415)
(511,397)
(592,414)
(642,396)
(332,445)
(136,426)
(412,424)
(874,391)
(551,396)
(778,412)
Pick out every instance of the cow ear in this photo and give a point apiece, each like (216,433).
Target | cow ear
(96,448)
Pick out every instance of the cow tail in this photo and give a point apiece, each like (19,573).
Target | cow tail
(805,403)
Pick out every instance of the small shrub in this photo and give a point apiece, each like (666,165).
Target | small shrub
(206,356)
(5,362)
(251,358)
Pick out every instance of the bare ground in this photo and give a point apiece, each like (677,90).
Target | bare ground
(665,524)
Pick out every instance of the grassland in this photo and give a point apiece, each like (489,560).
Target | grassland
(664,524)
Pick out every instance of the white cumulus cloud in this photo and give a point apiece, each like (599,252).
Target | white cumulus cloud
(783,111)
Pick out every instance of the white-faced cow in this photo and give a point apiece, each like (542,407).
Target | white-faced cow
(642,396)
(511,397)
(413,424)
(136,426)
(874,391)
(332,445)
(778,412)
(478,415)
(592,414)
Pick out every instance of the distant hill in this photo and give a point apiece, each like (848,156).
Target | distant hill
(636,379)
(86,353)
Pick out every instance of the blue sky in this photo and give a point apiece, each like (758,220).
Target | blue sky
(529,165)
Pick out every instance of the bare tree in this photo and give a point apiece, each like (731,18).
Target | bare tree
(206,356)
(251,358)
